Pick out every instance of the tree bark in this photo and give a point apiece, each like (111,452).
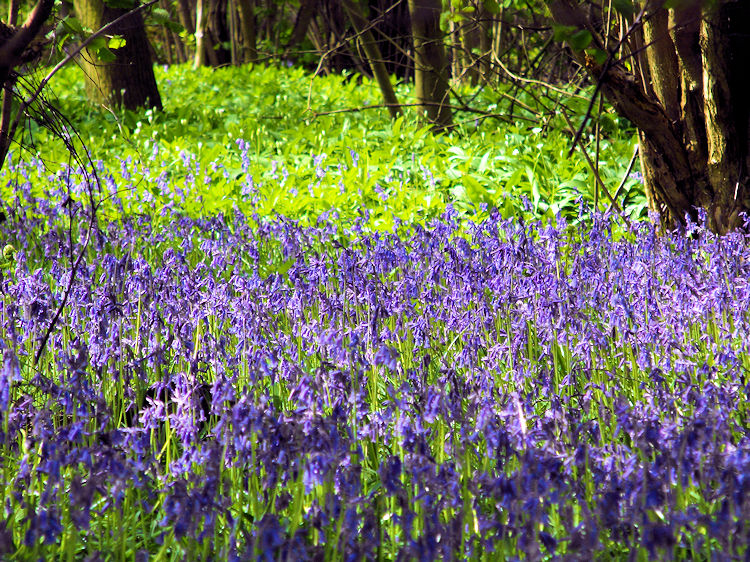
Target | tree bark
(430,63)
(6,106)
(485,42)
(211,32)
(690,103)
(129,80)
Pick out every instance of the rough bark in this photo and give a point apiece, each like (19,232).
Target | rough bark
(690,101)
(129,80)
(430,63)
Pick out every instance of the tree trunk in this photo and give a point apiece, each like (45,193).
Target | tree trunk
(374,58)
(185,14)
(6,106)
(485,42)
(129,80)
(690,102)
(201,23)
(248,27)
(430,62)
(469,40)
(211,33)
(301,23)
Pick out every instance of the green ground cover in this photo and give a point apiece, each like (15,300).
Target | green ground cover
(345,161)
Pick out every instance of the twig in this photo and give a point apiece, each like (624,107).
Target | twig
(596,173)
(43,83)
(75,263)
(625,177)
(602,77)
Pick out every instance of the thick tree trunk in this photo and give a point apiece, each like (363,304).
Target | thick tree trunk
(129,80)
(690,102)
(430,63)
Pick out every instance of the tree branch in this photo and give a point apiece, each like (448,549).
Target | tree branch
(11,51)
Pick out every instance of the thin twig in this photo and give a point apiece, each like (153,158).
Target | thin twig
(75,263)
(43,83)
(625,177)
(595,172)
(609,63)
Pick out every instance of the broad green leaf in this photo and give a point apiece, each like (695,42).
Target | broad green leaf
(116,42)
(580,40)
(492,6)
(70,25)
(105,55)
(599,55)
(563,32)
(160,16)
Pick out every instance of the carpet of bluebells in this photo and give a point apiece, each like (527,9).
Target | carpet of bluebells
(244,387)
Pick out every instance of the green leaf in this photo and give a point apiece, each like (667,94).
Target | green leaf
(98,42)
(71,25)
(599,55)
(160,15)
(174,26)
(580,40)
(563,32)
(105,55)
(116,42)
(492,7)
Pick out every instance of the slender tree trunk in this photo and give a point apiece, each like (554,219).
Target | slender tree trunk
(167,40)
(374,58)
(485,42)
(246,10)
(129,80)
(454,45)
(430,62)
(469,40)
(302,22)
(180,49)
(234,34)
(203,50)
